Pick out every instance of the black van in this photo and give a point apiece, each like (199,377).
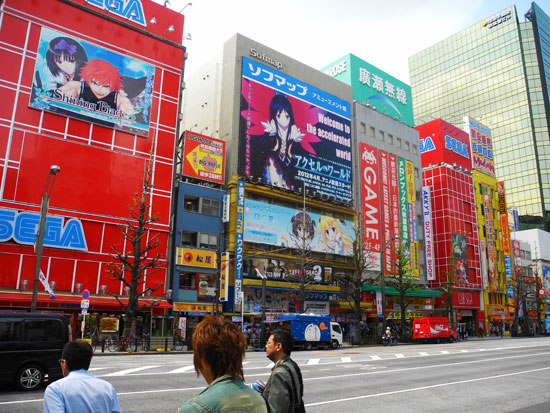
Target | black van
(30,347)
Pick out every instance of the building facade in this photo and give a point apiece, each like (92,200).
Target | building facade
(53,113)
(497,70)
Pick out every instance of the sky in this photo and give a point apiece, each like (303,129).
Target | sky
(318,32)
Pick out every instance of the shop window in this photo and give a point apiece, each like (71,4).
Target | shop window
(187,280)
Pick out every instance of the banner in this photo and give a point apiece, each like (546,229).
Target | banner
(394,196)
(490,236)
(428,232)
(483,258)
(546,278)
(482,146)
(277,225)
(75,78)
(506,248)
(370,200)
(204,157)
(460,254)
(224,277)
(413,231)
(294,136)
(403,203)
(286,270)
(239,228)
(386,205)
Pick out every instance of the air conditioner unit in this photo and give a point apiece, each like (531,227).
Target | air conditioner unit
(102,289)
(168,294)
(127,290)
(79,288)
(24,284)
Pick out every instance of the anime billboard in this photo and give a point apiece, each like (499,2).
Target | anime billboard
(546,277)
(81,80)
(203,157)
(294,136)
(277,225)
(460,255)
(286,270)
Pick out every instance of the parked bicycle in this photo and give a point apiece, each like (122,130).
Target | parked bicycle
(178,343)
(129,344)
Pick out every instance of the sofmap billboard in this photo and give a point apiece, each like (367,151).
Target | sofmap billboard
(294,136)
(204,157)
(442,142)
(481,142)
(277,225)
(75,78)
(372,86)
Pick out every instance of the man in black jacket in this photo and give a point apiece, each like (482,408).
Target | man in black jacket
(284,389)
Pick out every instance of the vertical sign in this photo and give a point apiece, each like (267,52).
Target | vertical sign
(394,191)
(224,276)
(403,203)
(239,241)
(379,309)
(483,257)
(490,237)
(371,206)
(482,146)
(428,231)
(506,244)
(384,172)
(413,231)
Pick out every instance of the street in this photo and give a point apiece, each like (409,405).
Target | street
(501,375)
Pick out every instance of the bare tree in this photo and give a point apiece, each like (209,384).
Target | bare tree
(351,282)
(447,282)
(134,263)
(403,282)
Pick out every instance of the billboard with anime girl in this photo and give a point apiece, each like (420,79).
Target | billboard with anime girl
(79,79)
(294,136)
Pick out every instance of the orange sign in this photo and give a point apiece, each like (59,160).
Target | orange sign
(204,157)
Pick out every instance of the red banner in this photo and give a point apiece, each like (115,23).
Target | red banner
(394,191)
(370,205)
(386,207)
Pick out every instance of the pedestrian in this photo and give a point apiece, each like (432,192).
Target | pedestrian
(284,390)
(218,351)
(78,391)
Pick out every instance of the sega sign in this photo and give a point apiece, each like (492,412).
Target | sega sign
(127,9)
(59,233)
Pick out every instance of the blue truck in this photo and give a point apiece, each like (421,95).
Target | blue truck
(547,322)
(309,330)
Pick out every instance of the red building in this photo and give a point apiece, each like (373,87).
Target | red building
(446,162)
(93,87)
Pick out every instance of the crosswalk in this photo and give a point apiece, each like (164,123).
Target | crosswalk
(111,370)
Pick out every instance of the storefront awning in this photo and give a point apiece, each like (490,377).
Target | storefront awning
(422,293)
(19,298)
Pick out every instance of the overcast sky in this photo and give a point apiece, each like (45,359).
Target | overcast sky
(317,32)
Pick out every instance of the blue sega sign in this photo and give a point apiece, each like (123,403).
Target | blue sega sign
(59,233)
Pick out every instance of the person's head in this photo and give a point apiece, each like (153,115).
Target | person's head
(65,55)
(279,345)
(76,355)
(218,349)
(102,77)
(303,227)
(281,112)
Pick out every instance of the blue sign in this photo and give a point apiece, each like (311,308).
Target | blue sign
(239,241)
(128,9)
(60,232)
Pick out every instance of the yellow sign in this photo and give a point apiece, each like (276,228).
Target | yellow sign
(224,277)
(195,258)
(204,308)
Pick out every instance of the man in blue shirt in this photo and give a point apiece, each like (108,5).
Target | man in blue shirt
(79,391)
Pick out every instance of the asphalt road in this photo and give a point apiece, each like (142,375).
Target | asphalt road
(495,375)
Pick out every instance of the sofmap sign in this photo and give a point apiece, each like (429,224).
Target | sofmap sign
(60,232)
(294,136)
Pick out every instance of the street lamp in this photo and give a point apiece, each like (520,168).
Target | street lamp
(262,326)
(382,280)
(39,243)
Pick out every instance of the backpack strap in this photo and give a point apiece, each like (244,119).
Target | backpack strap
(297,399)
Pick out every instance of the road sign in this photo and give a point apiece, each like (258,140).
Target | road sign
(85,294)
(84,311)
(85,304)
(542,292)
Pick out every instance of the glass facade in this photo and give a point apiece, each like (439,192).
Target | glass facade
(491,72)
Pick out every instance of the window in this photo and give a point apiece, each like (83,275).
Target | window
(415,149)
(187,280)
(416,172)
(10,331)
(208,241)
(407,147)
(390,139)
(398,142)
(381,135)
(204,206)
(43,330)
(372,131)
(363,128)
(196,239)
(189,238)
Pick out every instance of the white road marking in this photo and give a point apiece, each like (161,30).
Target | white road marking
(464,351)
(427,387)
(313,361)
(345,359)
(423,353)
(444,352)
(376,358)
(269,366)
(400,356)
(181,370)
(128,371)
(96,368)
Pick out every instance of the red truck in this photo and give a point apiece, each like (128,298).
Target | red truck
(433,329)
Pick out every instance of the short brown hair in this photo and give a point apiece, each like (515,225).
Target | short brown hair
(220,344)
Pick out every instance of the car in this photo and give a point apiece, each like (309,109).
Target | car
(30,348)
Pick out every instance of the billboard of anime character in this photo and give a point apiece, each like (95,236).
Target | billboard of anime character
(277,225)
(78,79)
(546,278)
(294,136)
(460,254)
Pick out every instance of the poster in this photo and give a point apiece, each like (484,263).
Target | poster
(287,270)
(75,78)
(294,136)
(460,254)
(370,200)
(286,227)
(204,157)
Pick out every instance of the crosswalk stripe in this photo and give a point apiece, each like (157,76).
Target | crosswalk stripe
(423,353)
(313,361)
(96,368)
(376,358)
(346,359)
(128,371)
(270,365)
(464,351)
(444,352)
(181,370)
(400,356)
